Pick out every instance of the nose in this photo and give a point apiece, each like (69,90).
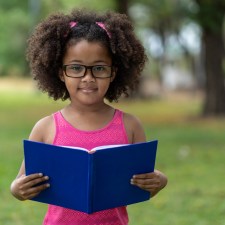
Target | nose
(88,77)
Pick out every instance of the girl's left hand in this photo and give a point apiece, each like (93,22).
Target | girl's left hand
(152,182)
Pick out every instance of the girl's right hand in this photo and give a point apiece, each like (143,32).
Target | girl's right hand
(26,187)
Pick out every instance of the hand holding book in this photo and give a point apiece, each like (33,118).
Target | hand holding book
(152,182)
(29,186)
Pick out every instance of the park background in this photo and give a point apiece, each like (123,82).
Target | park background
(180,101)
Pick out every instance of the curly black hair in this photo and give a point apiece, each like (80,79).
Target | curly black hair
(50,39)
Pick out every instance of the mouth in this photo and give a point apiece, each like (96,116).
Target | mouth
(88,89)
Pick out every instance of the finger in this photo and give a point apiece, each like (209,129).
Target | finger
(147,187)
(32,195)
(145,181)
(39,188)
(31,177)
(35,182)
(144,176)
(32,192)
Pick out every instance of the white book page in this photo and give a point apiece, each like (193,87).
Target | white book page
(96,148)
(108,146)
(74,147)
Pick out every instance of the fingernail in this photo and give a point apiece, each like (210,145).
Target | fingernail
(132,181)
(47,185)
(46,177)
(40,174)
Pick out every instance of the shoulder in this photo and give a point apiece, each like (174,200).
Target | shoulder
(134,128)
(43,130)
(131,119)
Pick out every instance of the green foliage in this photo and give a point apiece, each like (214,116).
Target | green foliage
(209,14)
(191,152)
(18,19)
(8,5)
(90,4)
(14,30)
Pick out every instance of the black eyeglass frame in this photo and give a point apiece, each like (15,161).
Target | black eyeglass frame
(86,68)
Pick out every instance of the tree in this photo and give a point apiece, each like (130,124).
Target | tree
(166,18)
(162,21)
(14,26)
(210,16)
(122,6)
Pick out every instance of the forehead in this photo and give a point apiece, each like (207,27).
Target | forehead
(86,52)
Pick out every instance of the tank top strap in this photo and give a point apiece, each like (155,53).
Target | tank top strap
(59,120)
(119,122)
(61,125)
(118,116)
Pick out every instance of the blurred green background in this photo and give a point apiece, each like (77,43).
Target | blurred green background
(181,102)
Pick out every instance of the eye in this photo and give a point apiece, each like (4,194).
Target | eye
(99,68)
(76,68)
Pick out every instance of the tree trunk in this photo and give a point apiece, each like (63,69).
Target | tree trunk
(122,6)
(215,80)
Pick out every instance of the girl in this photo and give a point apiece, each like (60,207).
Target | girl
(86,58)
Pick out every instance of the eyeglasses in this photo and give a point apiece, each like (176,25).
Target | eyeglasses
(97,71)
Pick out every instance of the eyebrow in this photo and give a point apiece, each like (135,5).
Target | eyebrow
(81,62)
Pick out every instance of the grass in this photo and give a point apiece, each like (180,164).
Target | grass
(191,152)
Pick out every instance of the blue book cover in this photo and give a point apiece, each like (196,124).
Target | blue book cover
(90,182)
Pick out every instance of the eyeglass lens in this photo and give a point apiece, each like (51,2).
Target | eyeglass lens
(76,70)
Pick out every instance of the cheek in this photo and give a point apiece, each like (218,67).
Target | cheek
(104,86)
(71,85)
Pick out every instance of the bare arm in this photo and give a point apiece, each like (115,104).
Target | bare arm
(134,129)
(26,187)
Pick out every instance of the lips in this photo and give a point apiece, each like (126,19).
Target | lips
(88,89)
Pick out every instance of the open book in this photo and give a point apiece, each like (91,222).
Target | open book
(90,182)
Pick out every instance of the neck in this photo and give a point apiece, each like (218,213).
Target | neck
(95,108)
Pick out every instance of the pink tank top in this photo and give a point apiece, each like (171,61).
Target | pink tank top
(113,133)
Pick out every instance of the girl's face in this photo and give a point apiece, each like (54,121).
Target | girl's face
(87,90)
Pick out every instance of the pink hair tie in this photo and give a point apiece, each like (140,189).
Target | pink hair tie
(73,24)
(102,25)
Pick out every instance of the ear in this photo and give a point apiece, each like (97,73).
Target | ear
(114,72)
(61,77)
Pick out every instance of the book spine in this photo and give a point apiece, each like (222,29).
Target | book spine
(90,183)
